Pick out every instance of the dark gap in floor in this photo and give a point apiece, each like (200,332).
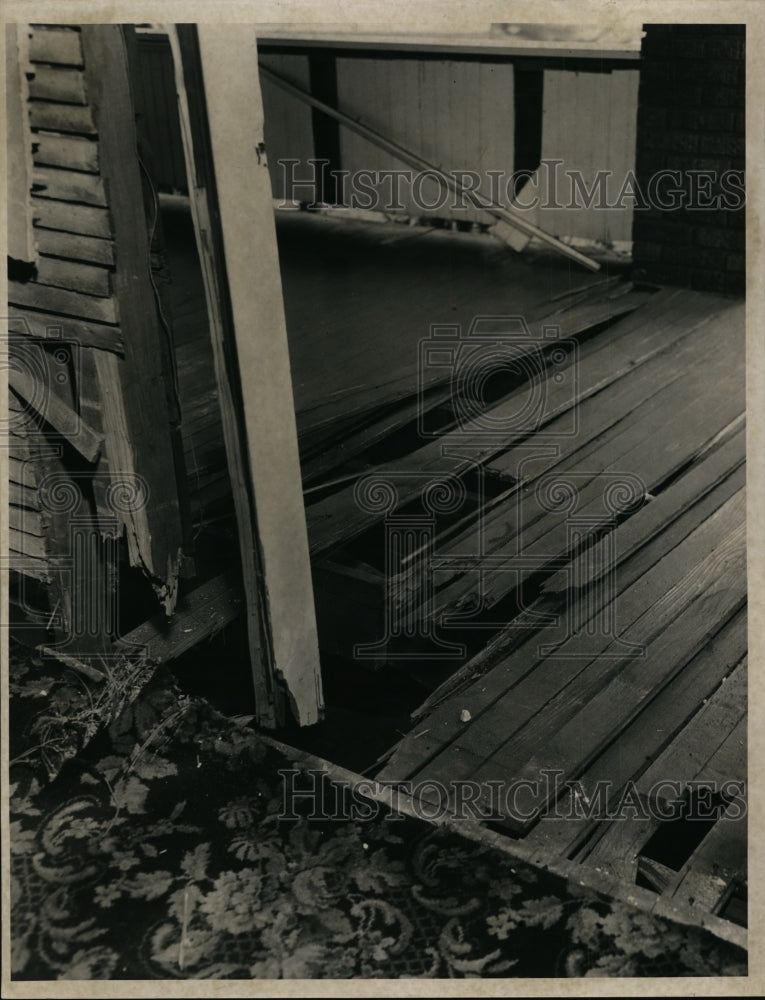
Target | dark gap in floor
(676,839)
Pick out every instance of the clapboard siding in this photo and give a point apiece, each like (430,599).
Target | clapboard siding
(55,83)
(62,300)
(53,326)
(73,275)
(69,185)
(85,220)
(87,248)
(57,117)
(70,151)
(58,45)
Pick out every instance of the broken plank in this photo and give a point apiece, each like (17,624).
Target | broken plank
(68,185)
(46,298)
(684,760)
(198,616)
(718,862)
(67,329)
(56,45)
(87,220)
(72,152)
(56,83)
(37,568)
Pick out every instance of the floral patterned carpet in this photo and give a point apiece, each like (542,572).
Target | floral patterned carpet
(158,852)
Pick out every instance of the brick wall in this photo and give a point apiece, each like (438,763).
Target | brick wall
(691,118)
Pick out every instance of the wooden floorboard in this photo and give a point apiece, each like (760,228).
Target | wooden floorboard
(694,755)
(545,692)
(560,833)
(522,681)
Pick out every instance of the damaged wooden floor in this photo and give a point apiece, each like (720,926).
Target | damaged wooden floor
(609,530)
(637,694)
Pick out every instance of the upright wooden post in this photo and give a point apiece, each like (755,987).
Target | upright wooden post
(222,127)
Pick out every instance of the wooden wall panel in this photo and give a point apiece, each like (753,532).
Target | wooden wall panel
(589,122)
(288,126)
(456,114)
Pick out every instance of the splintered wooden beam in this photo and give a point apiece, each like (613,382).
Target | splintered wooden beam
(222,128)
(135,390)
(198,616)
(504,215)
